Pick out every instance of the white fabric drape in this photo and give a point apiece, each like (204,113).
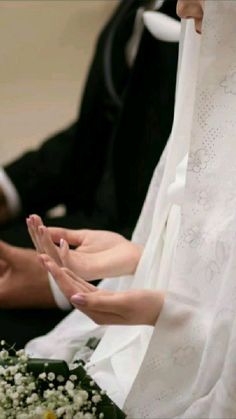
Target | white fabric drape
(189,370)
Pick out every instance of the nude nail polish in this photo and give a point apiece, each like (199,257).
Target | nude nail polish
(78,299)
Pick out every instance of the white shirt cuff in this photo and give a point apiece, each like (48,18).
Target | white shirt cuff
(11,194)
(58,295)
(162,27)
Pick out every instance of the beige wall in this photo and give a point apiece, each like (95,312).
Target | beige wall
(45,50)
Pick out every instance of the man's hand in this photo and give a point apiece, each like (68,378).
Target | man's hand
(99,254)
(23,279)
(5,213)
(133,307)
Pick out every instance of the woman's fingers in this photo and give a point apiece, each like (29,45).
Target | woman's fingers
(134,307)
(64,251)
(48,246)
(89,287)
(120,260)
(65,282)
(73,237)
(103,301)
(31,233)
(74,261)
(33,222)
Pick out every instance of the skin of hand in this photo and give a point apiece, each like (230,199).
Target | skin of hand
(99,253)
(133,307)
(23,280)
(5,213)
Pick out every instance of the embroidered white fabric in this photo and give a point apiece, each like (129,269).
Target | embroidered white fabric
(189,370)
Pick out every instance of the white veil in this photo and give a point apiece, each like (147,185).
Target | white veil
(189,369)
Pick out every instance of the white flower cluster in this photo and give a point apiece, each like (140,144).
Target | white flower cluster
(24,396)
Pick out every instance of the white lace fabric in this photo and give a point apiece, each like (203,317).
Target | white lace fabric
(189,370)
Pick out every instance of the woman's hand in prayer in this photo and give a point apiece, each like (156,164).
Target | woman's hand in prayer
(133,307)
(98,253)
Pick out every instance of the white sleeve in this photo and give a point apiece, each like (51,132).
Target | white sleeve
(58,295)
(11,194)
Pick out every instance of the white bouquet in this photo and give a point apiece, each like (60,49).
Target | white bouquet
(48,389)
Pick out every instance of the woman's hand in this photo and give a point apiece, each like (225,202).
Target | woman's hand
(133,307)
(99,253)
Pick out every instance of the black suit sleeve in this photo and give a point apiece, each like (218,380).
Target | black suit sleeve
(44,177)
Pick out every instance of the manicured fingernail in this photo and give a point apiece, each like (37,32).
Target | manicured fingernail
(62,242)
(78,299)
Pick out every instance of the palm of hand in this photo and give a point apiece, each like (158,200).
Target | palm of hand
(119,258)
(131,307)
(98,240)
(98,253)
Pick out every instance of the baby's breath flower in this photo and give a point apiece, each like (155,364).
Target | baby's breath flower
(60,378)
(60,411)
(89,416)
(20,352)
(24,396)
(51,376)
(73,377)
(69,385)
(4,354)
(83,394)
(96,398)
(2,370)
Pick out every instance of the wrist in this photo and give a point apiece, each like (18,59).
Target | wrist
(137,253)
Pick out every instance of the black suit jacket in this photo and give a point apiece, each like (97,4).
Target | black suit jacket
(101,166)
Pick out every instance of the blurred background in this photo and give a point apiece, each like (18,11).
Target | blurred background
(45,51)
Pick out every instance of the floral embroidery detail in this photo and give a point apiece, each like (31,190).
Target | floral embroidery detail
(198,160)
(229,84)
(204,200)
(214,267)
(193,236)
